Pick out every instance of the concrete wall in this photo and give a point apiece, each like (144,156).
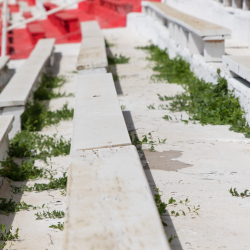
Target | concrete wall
(159,35)
(237,20)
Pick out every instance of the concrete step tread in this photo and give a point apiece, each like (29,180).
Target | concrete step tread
(98,119)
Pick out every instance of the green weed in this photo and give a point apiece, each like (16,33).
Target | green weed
(37,115)
(118,59)
(108,44)
(204,102)
(7,235)
(115,77)
(13,171)
(50,215)
(59,226)
(234,192)
(34,145)
(10,206)
(46,85)
(147,139)
(172,238)
(123,107)
(151,106)
(55,183)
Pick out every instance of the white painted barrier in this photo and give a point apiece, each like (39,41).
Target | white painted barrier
(109,201)
(4,71)
(92,58)
(199,36)
(20,88)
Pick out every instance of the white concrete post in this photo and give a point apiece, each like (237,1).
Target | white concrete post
(246,4)
(227,2)
(195,44)
(237,4)
(4,26)
(214,50)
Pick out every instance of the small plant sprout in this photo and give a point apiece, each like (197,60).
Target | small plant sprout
(50,215)
(118,59)
(167,118)
(146,139)
(123,107)
(151,106)
(59,226)
(234,192)
(172,238)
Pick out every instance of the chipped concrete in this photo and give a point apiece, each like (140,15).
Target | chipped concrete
(217,158)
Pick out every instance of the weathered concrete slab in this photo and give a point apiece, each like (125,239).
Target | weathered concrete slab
(198,26)
(110,205)
(98,119)
(92,53)
(5,127)
(239,65)
(91,29)
(18,90)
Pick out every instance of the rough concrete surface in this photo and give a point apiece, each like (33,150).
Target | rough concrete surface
(198,163)
(36,234)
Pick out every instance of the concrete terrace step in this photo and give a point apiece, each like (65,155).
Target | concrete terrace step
(98,119)
(92,52)
(18,90)
(91,29)
(4,71)
(110,205)
(16,94)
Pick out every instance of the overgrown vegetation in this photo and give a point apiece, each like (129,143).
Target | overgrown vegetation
(37,146)
(10,206)
(117,59)
(37,115)
(147,139)
(7,235)
(47,84)
(25,171)
(204,102)
(50,215)
(55,183)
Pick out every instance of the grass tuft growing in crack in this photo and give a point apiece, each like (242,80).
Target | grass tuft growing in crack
(59,226)
(117,59)
(10,206)
(55,183)
(7,235)
(37,146)
(37,115)
(50,215)
(204,102)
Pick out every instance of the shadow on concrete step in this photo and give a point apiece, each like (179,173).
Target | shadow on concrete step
(145,157)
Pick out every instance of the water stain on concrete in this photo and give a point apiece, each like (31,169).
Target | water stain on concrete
(163,160)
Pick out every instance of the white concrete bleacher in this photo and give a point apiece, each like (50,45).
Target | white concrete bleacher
(110,204)
(109,201)
(92,57)
(239,4)
(196,35)
(5,127)
(22,85)
(239,66)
